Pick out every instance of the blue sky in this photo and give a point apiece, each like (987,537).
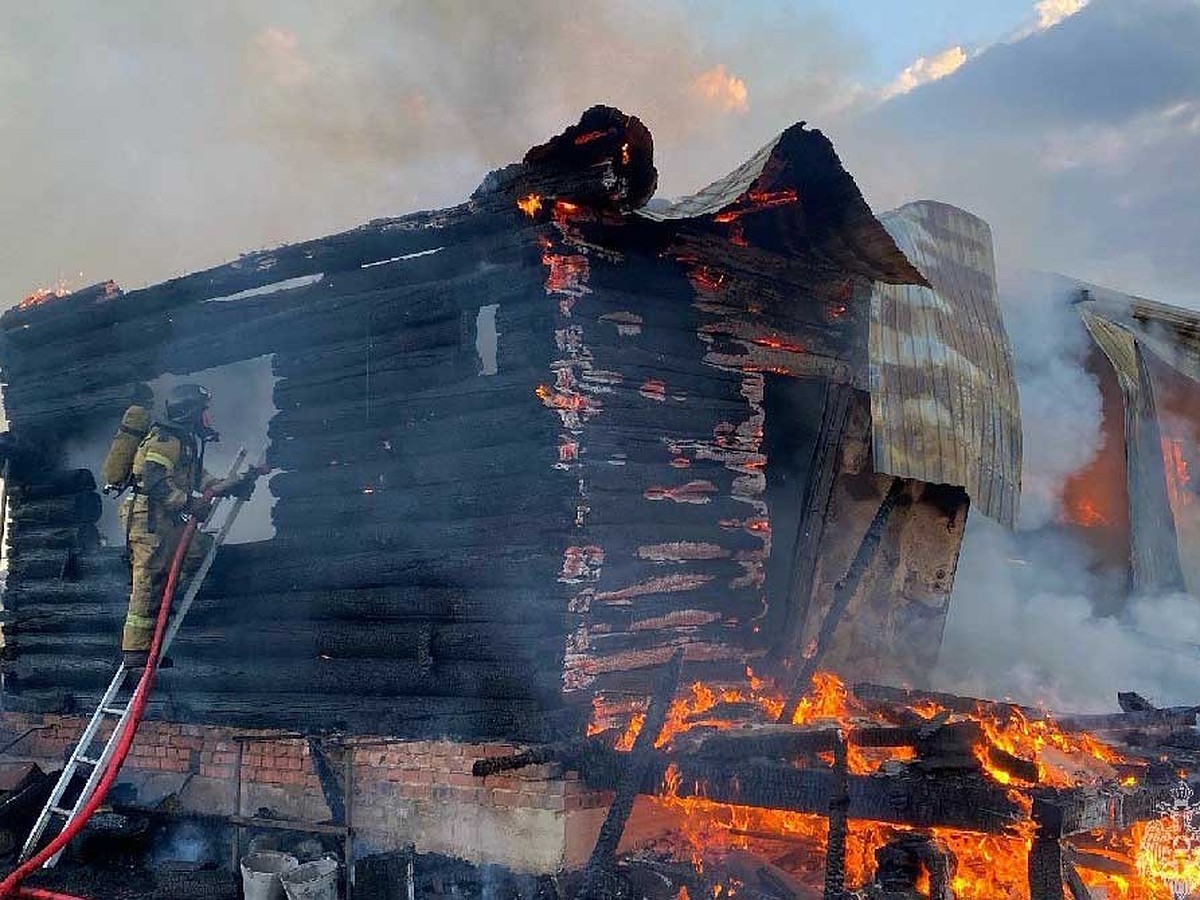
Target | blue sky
(893,32)
(899,32)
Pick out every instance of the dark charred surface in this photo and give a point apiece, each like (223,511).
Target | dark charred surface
(466,554)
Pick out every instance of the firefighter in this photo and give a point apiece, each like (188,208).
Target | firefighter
(169,487)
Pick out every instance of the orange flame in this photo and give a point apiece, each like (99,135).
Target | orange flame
(757,201)
(41,295)
(530,205)
(1176,468)
(1063,759)
(988,866)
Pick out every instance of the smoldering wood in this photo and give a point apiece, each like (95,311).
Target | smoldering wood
(814,508)
(1045,869)
(640,758)
(72,481)
(938,747)
(839,804)
(898,698)
(1074,883)
(23,539)
(378,676)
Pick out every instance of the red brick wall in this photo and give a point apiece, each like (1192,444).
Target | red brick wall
(403,789)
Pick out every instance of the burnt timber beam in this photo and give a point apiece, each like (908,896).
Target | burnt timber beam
(839,805)
(843,592)
(639,760)
(1092,808)
(892,697)
(912,796)
(814,511)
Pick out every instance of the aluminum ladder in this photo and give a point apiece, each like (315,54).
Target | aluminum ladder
(113,707)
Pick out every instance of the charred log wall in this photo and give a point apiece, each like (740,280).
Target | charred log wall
(386,600)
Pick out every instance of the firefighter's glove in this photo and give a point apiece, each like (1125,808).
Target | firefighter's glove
(244,486)
(198,508)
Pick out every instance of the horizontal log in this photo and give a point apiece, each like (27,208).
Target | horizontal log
(63,510)
(410,642)
(349,250)
(72,481)
(378,677)
(1068,811)
(534,610)
(62,564)
(52,592)
(380,564)
(25,538)
(406,718)
(1177,716)
(960,801)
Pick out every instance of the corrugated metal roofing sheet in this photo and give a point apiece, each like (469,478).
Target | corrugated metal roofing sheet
(944,405)
(1169,332)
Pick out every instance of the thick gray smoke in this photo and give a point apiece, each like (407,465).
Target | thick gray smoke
(158,138)
(1033,615)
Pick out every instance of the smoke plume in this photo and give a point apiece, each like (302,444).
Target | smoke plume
(1040,615)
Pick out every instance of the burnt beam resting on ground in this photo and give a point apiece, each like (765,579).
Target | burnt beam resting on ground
(640,759)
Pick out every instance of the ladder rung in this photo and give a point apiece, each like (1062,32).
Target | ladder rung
(88,760)
(113,710)
(59,811)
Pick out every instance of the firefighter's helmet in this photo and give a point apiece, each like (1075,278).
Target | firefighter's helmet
(186,404)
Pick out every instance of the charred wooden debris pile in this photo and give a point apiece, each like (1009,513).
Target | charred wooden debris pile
(877,792)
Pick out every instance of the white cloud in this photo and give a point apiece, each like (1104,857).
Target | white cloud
(1051,12)
(926,69)
(722,90)
(1117,147)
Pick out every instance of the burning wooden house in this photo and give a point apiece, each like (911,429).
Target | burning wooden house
(531,452)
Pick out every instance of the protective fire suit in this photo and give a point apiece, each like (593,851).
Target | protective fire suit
(167,472)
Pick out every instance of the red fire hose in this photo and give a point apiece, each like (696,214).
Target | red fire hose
(11,886)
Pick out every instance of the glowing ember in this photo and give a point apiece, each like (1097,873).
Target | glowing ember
(654,389)
(757,201)
(530,205)
(588,137)
(41,295)
(778,343)
(567,277)
(706,280)
(987,866)
(697,491)
(1176,467)
(563,401)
